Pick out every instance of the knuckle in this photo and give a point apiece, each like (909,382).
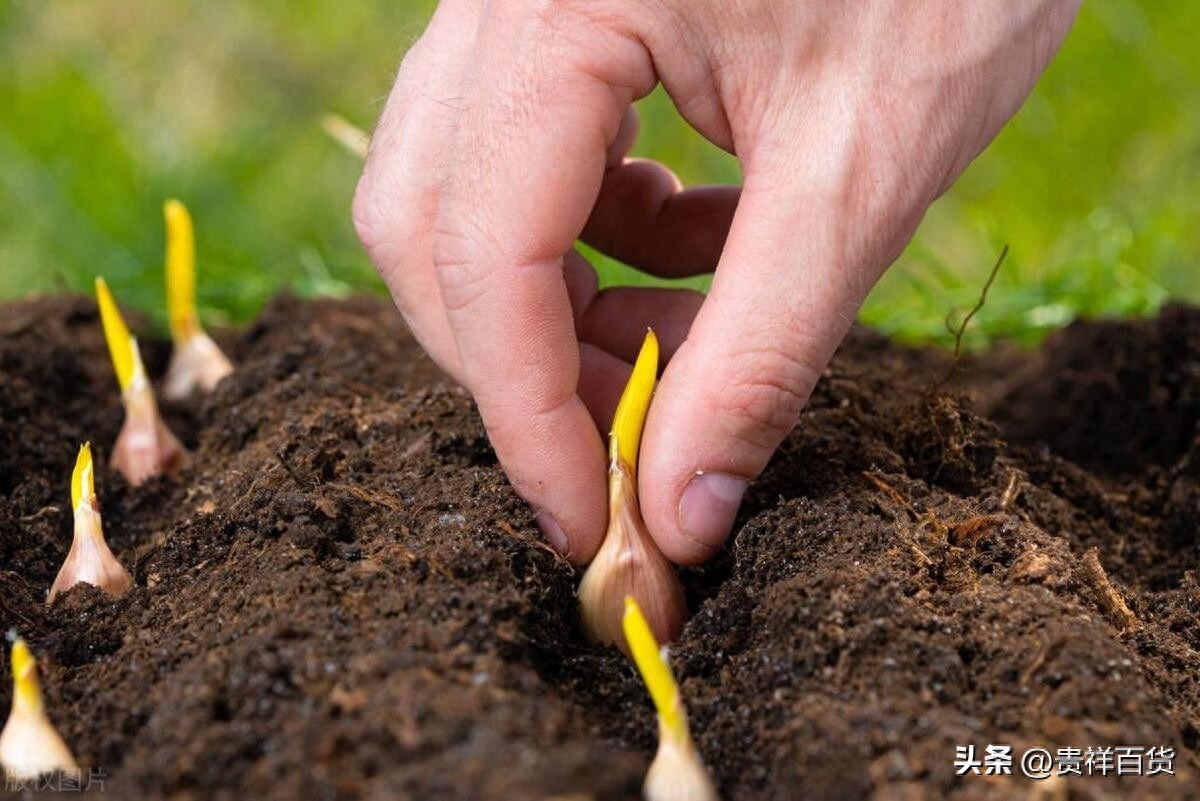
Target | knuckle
(369,214)
(390,241)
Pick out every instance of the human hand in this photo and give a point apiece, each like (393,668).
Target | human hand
(505,138)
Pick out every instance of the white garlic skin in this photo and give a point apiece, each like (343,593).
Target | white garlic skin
(678,774)
(629,563)
(30,745)
(145,448)
(197,364)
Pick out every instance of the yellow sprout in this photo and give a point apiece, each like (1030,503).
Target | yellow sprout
(181,273)
(25,679)
(630,417)
(122,347)
(346,134)
(83,482)
(656,673)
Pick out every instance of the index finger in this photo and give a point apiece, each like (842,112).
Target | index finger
(544,103)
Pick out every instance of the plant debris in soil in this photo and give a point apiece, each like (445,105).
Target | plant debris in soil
(342,598)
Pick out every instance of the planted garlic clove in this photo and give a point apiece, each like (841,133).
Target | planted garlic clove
(90,560)
(677,772)
(29,745)
(196,362)
(145,448)
(628,562)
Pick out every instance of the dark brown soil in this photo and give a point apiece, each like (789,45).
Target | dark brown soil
(341,597)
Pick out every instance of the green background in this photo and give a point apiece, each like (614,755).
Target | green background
(107,108)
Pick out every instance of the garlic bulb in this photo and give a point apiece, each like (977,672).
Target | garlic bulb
(628,562)
(29,744)
(145,448)
(196,363)
(677,772)
(90,560)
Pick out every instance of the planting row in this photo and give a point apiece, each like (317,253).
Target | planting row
(630,596)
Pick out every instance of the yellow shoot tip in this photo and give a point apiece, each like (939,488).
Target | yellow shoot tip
(25,678)
(346,134)
(122,347)
(181,272)
(656,673)
(630,416)
(83,480)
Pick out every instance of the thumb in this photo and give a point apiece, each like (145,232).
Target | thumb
(782,299)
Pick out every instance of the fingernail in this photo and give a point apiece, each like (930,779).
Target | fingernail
(553,533)
(709,505)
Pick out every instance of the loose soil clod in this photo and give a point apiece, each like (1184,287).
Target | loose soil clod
(340,597)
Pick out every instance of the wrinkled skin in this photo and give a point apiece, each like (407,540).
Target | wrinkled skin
(505,139)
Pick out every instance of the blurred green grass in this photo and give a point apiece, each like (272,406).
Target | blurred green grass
(108,108)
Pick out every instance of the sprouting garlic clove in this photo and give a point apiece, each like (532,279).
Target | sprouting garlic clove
(90,560)
(145,448)
(29,745)
(677,773)
(630,564)
(196,364)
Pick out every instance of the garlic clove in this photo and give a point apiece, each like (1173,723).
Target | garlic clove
(145,448)
(678,774)
(29,745)
(630,564)
(196,364)
(90,560)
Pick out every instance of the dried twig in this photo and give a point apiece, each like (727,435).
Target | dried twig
(962,326)
(961,329)
(1106,595)
(1011,491)
(890,491)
